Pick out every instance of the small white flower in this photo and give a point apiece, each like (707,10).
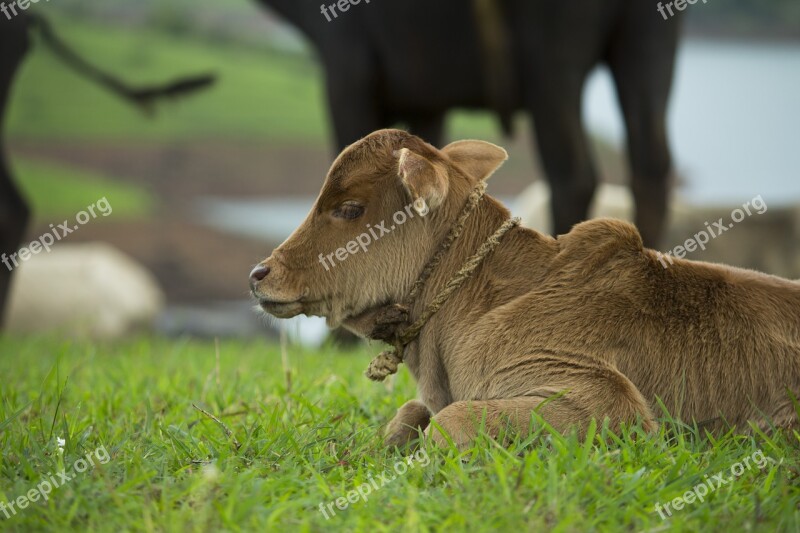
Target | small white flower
(211,472)
(61,443)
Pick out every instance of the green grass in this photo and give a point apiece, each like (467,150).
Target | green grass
(258,94)
(55,191)
(313,435)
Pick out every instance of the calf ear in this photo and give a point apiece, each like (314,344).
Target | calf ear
(425,181)
(478,159)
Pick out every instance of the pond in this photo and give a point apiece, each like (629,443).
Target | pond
(734,120)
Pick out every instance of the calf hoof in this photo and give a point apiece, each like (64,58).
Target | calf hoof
(404,429)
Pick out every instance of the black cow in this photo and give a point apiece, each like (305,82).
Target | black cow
(411,61)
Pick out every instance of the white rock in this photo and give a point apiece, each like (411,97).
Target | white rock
(613,201)
(82,290)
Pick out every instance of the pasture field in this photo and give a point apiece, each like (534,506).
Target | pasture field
(305,424)
(305,430)
(262,97)
(56,191)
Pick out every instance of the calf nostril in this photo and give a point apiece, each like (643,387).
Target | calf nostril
(258,274)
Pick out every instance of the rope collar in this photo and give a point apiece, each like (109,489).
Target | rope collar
(387,362)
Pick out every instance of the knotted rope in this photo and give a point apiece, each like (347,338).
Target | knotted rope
(387,362)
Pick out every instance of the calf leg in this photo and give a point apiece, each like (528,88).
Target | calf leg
(410,419)
(563,407)
(784,416)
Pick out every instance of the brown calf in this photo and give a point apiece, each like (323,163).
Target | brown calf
(590,320)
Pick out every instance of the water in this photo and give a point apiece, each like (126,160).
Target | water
(267,219)
(734,120)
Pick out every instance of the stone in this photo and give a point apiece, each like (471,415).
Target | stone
(90,290)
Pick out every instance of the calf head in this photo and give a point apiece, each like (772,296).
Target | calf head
(386,203)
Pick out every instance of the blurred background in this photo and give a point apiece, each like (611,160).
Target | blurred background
(207,187)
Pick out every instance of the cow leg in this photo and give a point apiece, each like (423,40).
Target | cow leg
(14,215)
(605,394)
(642,59)
(14,212)
(565,156)
(406,425)
(557,45)
(353,97)
(429,128)
(554,99)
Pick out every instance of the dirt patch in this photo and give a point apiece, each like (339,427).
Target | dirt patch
(176,171)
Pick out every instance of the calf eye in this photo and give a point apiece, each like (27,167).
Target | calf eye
(348,211)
